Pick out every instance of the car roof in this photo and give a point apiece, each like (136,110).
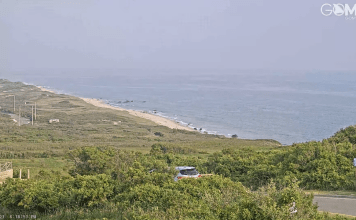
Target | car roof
(185,168)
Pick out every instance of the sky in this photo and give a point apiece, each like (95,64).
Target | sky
(174,34)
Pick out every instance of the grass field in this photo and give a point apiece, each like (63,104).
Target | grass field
(333,193)
(36,164)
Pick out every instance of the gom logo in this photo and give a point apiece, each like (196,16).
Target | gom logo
(338,9)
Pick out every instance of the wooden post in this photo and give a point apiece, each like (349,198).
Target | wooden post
(35,111)
(14,104)
(20,174)
(32,115)
(28,173)
(19,116)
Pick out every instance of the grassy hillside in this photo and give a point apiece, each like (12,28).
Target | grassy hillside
(82,124)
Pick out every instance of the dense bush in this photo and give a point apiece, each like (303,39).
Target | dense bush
(247,184)
(344,135)
(50,193)
(325,165)
(208,198)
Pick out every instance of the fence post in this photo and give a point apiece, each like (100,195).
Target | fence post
(20,174)
(28,173)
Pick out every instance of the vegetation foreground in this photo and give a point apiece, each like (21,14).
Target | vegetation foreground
(87,167)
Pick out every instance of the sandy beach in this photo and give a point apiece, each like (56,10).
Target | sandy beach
(157,119)
(45,90)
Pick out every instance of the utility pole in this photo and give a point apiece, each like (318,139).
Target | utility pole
(19,115)
(32,110)
(354,163)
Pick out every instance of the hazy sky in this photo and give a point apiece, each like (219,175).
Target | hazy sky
(169,34)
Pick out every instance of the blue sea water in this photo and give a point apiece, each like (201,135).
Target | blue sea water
(287,106)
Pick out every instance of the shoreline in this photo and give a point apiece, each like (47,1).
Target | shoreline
(155,118)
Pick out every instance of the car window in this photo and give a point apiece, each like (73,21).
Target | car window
(189,172)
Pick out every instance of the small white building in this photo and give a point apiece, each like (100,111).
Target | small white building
(53,120)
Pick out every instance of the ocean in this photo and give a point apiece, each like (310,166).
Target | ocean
(287,106)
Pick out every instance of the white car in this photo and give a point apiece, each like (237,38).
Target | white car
(186,172)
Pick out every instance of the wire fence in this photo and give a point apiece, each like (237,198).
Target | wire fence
(6,166)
